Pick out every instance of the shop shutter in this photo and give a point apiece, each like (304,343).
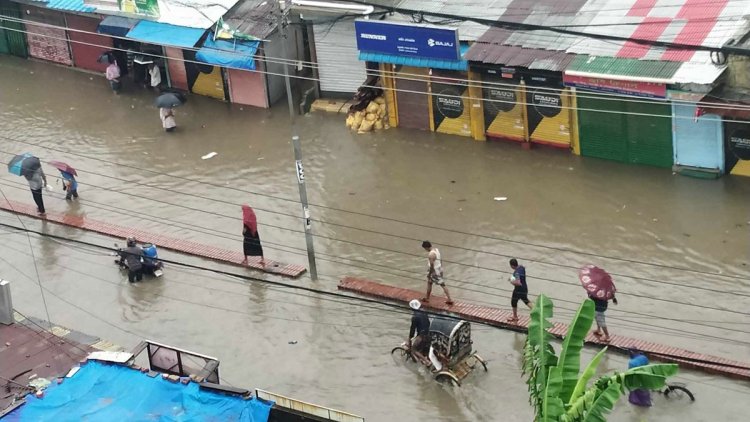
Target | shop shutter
(247,87)
(697,143)
(176,66)
(339,67)
(503,108)
(602,134)
(548,114)
(86,51)
(46,42)
(413,101)
(649,133)
(13,37)
(451,110)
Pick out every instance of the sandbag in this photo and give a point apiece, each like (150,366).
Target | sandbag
(378,125)
(366,126)
(371,117)
(372,107)
(349,120)
(379,100)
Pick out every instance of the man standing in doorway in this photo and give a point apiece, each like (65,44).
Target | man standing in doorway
(435,272)
(520,290)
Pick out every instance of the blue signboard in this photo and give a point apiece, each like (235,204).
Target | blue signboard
(407,39)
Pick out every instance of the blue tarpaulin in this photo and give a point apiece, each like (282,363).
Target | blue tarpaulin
(235,53)
(102,392)
(165,34)
(116,25)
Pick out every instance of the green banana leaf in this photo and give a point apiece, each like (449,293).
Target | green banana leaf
(569,362)
(604,403)
(552,405)
(583,381)
(539,355)
(650,377)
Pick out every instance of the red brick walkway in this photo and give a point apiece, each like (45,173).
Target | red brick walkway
(497,317)
(171,243)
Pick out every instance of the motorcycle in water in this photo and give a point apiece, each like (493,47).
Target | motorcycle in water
(150,261)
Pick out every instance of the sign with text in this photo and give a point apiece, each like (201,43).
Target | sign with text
(641,89)
(140,7)
(407,39)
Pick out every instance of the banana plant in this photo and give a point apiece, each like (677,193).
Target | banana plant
(558,390)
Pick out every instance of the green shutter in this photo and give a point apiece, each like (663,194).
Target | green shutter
(4,48)
(650,137)
(602,133)
(13,36)
(615,133)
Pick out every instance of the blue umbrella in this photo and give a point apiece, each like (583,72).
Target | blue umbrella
(23,165)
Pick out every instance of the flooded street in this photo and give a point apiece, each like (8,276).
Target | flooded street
(679,248)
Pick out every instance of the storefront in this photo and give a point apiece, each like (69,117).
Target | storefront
(339,69)
(698,138)
(622,118)
(503,103)
(49,40)
(549,118)
(428,79)
(737,146)
(85,45)
(240,79)
(12,37)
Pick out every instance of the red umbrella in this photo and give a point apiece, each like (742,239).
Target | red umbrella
(63,167)
(597,282)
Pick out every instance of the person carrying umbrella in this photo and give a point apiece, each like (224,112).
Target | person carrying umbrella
(167,103)
(68,174)
(29,167)
(251,245)
(600,289)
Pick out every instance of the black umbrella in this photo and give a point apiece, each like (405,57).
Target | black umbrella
(106,58)
(24,165)
(170,100)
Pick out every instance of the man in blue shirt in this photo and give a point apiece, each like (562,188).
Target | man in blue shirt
(639,397)
(520,290)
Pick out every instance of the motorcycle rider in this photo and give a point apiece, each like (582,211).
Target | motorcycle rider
(132,256)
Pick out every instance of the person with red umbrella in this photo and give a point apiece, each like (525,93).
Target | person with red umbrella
(250,238)
(601,289)
(68,174)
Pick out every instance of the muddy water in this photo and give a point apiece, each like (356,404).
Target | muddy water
(132,173)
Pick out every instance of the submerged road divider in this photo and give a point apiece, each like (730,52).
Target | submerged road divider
(171,243)
(499,318)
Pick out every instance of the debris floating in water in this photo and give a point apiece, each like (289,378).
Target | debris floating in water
(209,155)
(500,198)
(293,342)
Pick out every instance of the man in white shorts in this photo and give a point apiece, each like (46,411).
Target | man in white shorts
(435,272)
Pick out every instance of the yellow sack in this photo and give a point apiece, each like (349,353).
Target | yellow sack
(379,100)
(378,125)
(371,117)
(366,126)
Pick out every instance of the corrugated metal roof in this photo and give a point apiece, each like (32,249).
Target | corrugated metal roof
(519,57)
(416,61)
(70,5)
(467,31)
(257,18)
(613,66)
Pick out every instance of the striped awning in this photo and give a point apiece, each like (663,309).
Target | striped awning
(417,61)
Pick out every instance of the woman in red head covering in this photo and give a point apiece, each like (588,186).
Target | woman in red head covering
(251,239)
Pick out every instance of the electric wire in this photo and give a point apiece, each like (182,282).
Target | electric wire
(355,299)
(467,83)
(372,216)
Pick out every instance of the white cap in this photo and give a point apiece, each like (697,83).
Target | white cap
(415,304)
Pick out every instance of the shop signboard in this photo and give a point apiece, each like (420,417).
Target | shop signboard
(140,7)
(616,86)
(407,39)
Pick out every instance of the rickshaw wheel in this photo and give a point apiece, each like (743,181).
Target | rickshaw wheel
(479,358)
(447,377)
(401,351)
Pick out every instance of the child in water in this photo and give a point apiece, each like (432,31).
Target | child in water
(70,185)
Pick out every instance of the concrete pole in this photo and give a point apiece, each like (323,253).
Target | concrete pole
(297,150)
(6,303)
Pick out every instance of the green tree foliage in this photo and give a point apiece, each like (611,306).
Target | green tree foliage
(558,390)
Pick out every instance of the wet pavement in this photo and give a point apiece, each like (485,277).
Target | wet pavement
(335,354)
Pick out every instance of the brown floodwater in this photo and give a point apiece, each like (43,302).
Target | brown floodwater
(679,248)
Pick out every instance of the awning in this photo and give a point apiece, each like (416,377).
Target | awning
(71,6)
(116,25)
(417,61)
(166,34)
(236,54)
(650,71)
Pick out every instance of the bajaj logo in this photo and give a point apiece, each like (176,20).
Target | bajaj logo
(373,37)
(433,43)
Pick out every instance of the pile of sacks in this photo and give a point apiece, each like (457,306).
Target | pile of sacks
(372,117)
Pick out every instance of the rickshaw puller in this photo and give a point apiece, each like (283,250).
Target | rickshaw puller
(420,325)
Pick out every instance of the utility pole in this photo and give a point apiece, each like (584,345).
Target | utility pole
(297,149)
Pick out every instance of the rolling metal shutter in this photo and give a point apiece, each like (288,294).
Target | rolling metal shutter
(602,134)
(339,68)
(412,99)
(12,39)
(650,137)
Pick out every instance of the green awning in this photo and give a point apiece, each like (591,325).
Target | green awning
(612,67)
